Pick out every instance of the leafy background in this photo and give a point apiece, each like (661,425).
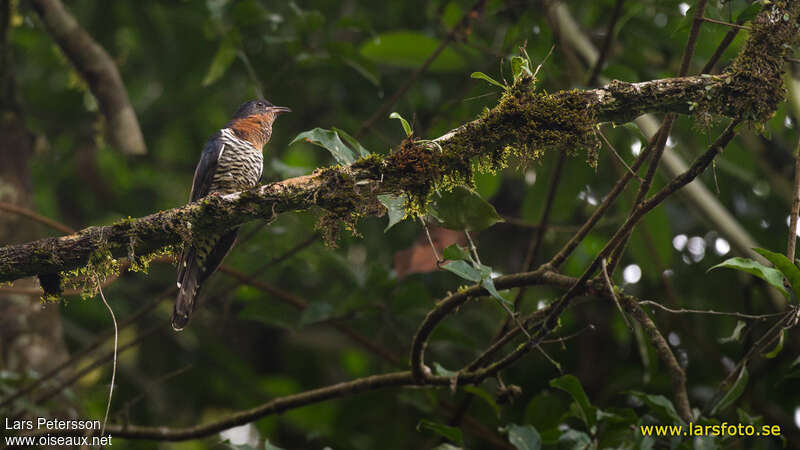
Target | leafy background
(188,64)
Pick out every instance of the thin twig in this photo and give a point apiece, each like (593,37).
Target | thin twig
(666,127)
(77,357)
(700,164)
(708,312)
(664,131)
(514,316)
(511,313)
(694,32)
(727,24)
(98,362)
(301,304)
(548,358)
(535,243)
(792,239)
(723,45)
(430,241)
(463,24)
(472,247)
(25,212)
(114,366)
(609,38)
(789,319)
(251,73)
(161,379)
(676,374)
(613,295)
(561,340)
(619,158)
(539,67)
(607,202)
(658,151)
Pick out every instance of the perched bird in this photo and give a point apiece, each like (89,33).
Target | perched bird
(231,161)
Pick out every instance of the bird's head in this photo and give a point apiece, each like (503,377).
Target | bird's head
(253,121)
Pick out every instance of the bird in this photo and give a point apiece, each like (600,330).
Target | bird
(232,160)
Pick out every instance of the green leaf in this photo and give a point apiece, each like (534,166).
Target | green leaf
(404,122)
(488,284)
(524,437)
(544,411)
(223,59)
(661,406)
(778,347)
(452,434)
(456,252)
(749,12)
(485,396)
(736,335)
(520,67)
(572,386)
(617,416)
(768,274)
(463,209)
(574,440)
(363,152)
(441,371)
(747,418)
(330,141)
(409,50)
(395,208)
(787,268)
(463,269)
(487,78)
(733,393)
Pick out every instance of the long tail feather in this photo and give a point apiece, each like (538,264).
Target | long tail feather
(188,283)
(196,264)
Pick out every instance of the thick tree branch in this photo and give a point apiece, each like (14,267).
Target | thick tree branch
(99,71)
(523,119)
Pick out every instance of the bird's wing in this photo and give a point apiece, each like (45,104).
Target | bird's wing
(201,185)
(207,167)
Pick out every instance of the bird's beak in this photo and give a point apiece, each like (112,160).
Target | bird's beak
(279,109)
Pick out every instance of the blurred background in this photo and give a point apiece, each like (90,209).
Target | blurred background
(271,323)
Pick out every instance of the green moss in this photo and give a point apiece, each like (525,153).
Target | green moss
(142,263)
(753,84)
(522,126)
(100,266)
(343,201)
(129,221)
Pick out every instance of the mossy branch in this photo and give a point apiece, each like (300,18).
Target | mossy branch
(524,123)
